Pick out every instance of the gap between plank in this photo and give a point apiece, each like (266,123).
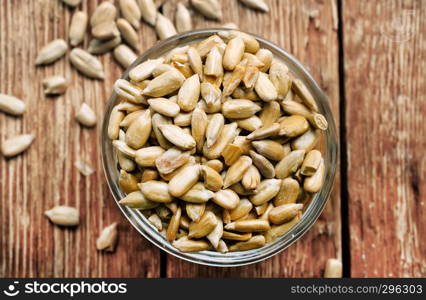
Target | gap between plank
(344,194)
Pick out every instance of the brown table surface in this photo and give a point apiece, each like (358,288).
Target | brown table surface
(368,56)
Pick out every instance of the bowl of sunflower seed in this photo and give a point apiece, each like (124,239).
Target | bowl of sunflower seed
(219,147)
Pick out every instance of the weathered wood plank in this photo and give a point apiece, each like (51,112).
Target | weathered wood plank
(45,176)
(307,29)
(385,51)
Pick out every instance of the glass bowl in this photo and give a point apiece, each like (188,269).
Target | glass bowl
(328,147)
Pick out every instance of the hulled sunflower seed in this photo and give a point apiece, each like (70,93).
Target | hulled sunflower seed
(233,79)
(130,11)
(184,180)
(265,167)
(12,105)
(251,44)
(279,230)
(266,190)
(164,84)
(86,116)
(306,141)
(209,8)
(101,47)
(199,124)
(155,220)
(250,124)
(265,56)
(302,91)
(182,18)
(236,171)
(289,164)
(311,163)
(16,145)
(145,69)
(105,12)
(130,36)
(186,245)
(216,234)
(212,179)
(156,191)
(211,94)
(214,129)
(256,4)
(86,63)
(204,226)
(264,132)
(189,93)
(122,147)
(227,235)
(137,200)
(278,74)
(227,199)
(128,91)
(183,120)
(107,239)
(293,126)
(139,131)
(239,108)
(243,208)
(248,226)
(124,55)
(102,21)
(127,182)
(173,227)
(270,113)
(255,242)
(333,268)
(55,85)
(197,194)
(148,175)
(146,157)
(51,52)
(284,213)
(250,77)
(205,46)
(251,178)
(115,119)
(164,107)
(270,149)
(105,31)
(148,10)
(233,53)
(314,183)
(289,192)
(171,160)
(213,65)
(231,154)
(215,164)
(265,89)
(78,27)
(195,61)
(177,136)
(318,121)
(164,27)
(63,215)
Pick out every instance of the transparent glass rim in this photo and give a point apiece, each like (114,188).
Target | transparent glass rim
(230,259)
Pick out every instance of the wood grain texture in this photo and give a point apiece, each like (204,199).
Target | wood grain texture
(45,175)
(385,51)
(306,29)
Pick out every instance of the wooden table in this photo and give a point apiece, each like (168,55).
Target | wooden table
(368,56)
